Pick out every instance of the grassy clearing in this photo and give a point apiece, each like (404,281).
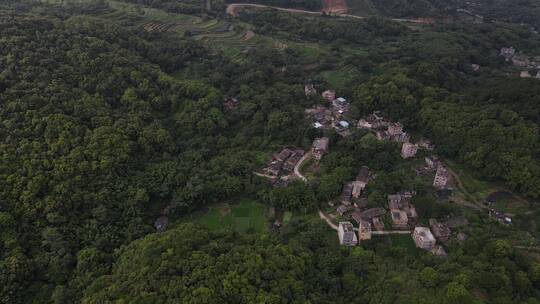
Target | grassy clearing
(404,241)
(339,79)
(479,190)
(242,216)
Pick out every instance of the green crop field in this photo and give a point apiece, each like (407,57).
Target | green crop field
(404,241)
(242,216)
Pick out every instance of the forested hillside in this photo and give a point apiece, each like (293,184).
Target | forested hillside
(107,124)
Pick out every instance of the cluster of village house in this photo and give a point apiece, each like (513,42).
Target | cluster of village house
(529,64)
(370,220)
(352,204)
(334,116)
(402,212)
(281,165)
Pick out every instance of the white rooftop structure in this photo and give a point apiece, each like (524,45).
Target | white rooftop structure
(317,125)
(341,99)
(344,124)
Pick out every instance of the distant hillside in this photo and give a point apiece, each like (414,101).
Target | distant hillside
(523,11)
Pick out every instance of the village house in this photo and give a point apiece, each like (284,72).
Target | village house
(408,150)
(293,159)
(346,194)
(329,95)
(321,115)
(342,209)
(231,103)
(361,182)
(441,177)
(346,234)
(475,67)
(399,219)
(440,231)
(357,188)
(432,162)
(364,230)
(161,223)
(382,135)
(508,52)
(320,147)
(357,216)
(401,209)
(395,129)
(520,61)
(373,212)
(423,238)
(426,144)
(283,155)
(525,74)
(273,168)
(378,224)
(438,250)
(310,90)
(364,124)
(361,202)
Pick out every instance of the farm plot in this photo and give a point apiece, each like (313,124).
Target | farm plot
(242,217)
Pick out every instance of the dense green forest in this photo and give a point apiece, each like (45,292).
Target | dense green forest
(105,126)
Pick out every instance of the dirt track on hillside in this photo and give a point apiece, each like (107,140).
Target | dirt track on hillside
(234,8)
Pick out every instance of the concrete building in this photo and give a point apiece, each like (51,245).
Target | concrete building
(320,147)
(408,150)
(399,219)
(346,234)
(395,129)
(441,177)
(364,230)
(508,52)
(423,238)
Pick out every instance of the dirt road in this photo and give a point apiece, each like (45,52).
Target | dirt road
(328,221)
(297,167)
(234,8)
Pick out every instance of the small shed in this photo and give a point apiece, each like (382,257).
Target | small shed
(161,223)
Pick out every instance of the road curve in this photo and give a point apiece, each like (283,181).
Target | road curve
(328,221)
(297,167)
